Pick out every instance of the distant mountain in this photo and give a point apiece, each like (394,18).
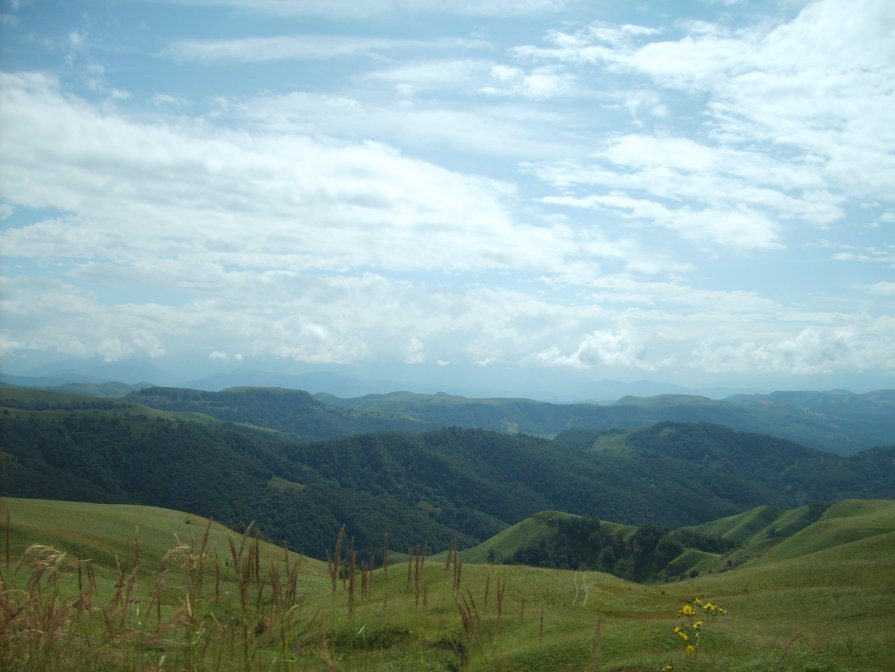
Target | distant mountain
(200,372)
(291,412)
(837,422)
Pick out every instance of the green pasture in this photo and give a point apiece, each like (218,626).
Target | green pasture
(817,601)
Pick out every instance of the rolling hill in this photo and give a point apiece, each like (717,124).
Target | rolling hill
(82,595)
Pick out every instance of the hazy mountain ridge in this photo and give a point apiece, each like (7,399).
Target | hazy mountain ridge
(837,422)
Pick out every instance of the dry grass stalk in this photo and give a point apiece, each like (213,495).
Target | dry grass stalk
(468,616)
(501,591)
(335,562)
(352,568)
(385,554)
(419,561)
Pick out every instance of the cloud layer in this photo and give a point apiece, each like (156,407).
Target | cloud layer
(683,199)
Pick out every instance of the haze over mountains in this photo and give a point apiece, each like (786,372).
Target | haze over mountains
(559,385)
(835,421)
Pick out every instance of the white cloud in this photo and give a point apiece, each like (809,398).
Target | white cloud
(165,99)
(865,344)
(882,288)
(503,131)
(304,47)
(797,122)
(263,200)
(380,213)
(884,254)
(225,356)
(619,348)
(741,229)
(436,74)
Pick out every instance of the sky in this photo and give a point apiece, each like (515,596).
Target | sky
(700,193)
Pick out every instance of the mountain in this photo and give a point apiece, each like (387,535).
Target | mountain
(837,422)
(291,412)
(464,484)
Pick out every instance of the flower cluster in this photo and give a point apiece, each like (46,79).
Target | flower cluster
(691,633)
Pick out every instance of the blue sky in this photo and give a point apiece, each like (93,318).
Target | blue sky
(700,193)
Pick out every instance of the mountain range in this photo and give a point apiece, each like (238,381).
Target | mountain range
(249,455)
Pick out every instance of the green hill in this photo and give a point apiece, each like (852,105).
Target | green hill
(107,533)
(843,524)
(109,605)
(525,533)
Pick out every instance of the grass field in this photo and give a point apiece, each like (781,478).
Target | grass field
(141,588)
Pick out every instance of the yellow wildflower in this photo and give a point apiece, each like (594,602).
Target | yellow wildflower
(682,635)
(690,649)
(687,610)
(697,625)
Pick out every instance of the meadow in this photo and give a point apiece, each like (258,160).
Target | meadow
(115,587)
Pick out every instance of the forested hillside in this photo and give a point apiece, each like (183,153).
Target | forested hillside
(838,422)
(419,488)
(289,411)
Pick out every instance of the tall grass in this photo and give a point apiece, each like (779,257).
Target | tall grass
(193,608)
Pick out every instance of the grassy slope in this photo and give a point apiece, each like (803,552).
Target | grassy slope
(756,524)
(104,531)
(522,534)
(528,533)
(815,603)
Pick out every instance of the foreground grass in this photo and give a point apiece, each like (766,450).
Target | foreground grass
(137,588)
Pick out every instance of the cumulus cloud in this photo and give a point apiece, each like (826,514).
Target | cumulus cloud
(796,119)
(861,345)
(600,348)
